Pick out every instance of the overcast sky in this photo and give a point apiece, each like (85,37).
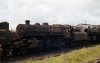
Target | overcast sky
(70,12)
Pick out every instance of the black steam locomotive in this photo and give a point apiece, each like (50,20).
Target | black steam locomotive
(52,36)
(31,37)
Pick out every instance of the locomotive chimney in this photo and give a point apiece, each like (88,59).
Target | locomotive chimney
(27,22)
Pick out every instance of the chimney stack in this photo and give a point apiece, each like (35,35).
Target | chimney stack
(27,22)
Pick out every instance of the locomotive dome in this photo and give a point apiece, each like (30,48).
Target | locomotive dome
(45,24)
(38,24)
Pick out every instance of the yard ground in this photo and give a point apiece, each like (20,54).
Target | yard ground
(84,55)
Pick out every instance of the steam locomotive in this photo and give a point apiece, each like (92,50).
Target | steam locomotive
(45,36)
